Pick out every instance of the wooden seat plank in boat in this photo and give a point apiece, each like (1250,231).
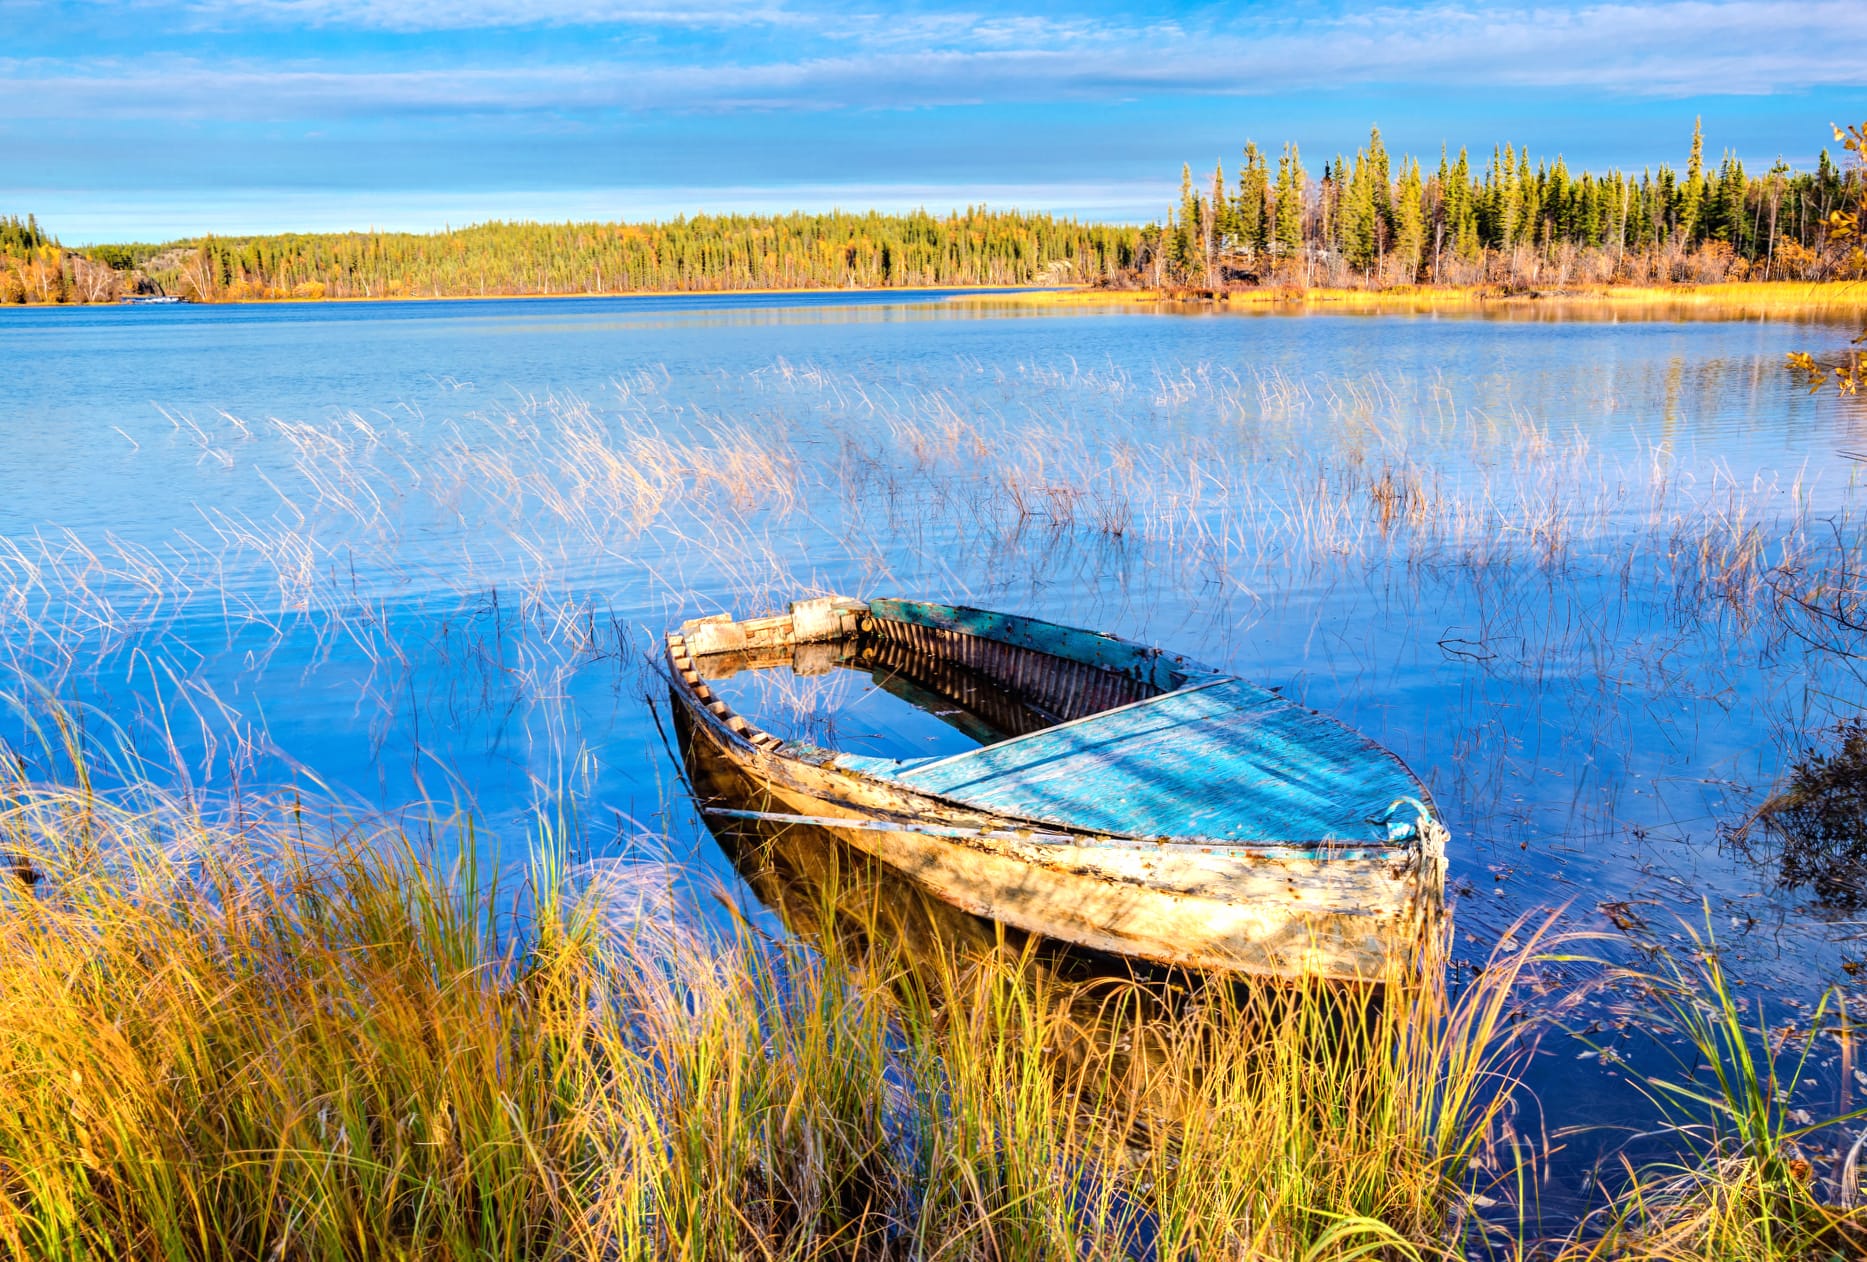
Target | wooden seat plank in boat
(1226,761)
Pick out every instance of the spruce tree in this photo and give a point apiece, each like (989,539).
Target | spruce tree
(1559,201)
(1690,192)
(1219,213)
(1381,173)
(1289,195)
(1730,223)
(1462,211)
(1357,214)
(1187,247)
(1410,222)
(1253,212)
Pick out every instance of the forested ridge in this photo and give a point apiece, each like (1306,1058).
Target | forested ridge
(1372,219)
(706,252)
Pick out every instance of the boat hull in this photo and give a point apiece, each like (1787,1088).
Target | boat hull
(1214,908)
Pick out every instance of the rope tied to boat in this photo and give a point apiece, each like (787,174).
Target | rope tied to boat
(1399,828)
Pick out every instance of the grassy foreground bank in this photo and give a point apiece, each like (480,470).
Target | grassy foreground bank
(271,1040)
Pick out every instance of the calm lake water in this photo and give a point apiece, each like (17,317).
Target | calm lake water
(395,552)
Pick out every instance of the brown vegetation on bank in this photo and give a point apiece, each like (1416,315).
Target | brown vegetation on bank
(1728,300)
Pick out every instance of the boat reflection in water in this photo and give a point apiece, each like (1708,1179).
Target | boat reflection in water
(1111,1027)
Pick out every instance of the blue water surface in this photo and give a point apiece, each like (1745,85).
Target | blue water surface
(390,553)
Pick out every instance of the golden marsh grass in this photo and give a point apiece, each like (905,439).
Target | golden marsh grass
(273,1038)
(1729,300)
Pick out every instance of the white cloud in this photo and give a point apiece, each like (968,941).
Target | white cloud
(1674,47)
(453,15)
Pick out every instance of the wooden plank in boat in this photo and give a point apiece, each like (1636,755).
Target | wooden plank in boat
(1106,652)
(1227,760)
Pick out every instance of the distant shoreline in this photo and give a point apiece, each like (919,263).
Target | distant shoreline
(945,291)
(951,291)
(1759,297)
(1745,297)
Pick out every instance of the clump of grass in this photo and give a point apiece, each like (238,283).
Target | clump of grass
(272,1041)
(241,1042)
(1746,1185)
(268,1039)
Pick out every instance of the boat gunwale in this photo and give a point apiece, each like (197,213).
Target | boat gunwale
(1269,852)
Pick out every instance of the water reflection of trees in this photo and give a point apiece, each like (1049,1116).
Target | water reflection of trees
(1815,827)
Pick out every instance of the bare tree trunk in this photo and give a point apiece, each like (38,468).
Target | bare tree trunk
(94,282)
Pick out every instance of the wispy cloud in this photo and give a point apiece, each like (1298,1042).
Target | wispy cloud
(1672,47)
(458,15)
(386,102)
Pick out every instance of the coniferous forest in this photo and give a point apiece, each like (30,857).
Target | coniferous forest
(1508,220)
(1374,219)
(706,252)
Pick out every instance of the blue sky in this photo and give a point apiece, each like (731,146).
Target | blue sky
(155,118)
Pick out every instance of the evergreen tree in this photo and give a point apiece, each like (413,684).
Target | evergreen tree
(1559,200)
(1291,180)
(1219,215)
(1188,252)
(1410,222)
(1665,204)
(1730,223)
(1178,251)
(1381,174)
(1462,210)
(1586,220)
(1358,213)
(1529,200)
(1252,212)
(1691,191)
(1328,226)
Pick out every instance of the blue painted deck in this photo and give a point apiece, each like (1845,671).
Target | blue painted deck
(1226,760)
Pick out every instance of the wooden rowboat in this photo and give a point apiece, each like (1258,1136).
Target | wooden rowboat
(1131,801)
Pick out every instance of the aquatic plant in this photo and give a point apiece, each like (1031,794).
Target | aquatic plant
(1746,1184)
(478,564)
